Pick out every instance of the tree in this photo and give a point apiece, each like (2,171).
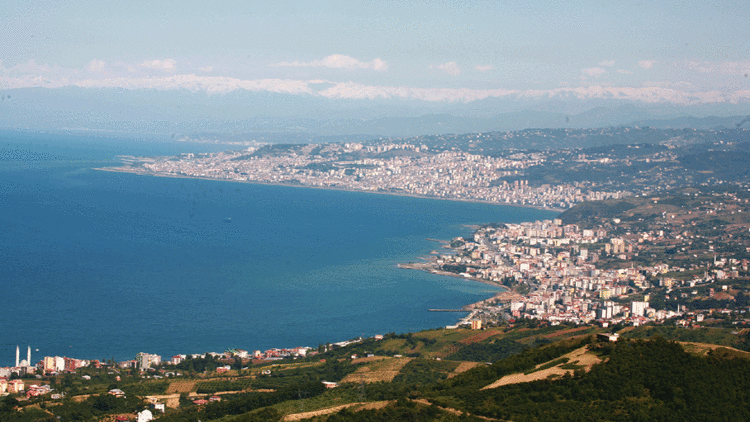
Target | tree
(8,403)
(741,300)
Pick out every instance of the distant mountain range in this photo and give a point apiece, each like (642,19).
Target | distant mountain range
(272,117)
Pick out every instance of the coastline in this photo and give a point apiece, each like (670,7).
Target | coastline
(256,182)
(506,294)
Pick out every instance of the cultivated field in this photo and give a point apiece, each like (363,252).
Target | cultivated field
(479,337)
(182,386)
(381,370)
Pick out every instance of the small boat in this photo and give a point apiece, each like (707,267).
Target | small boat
(227,220)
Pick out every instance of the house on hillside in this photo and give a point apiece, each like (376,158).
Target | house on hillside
(116,392)
(15,386)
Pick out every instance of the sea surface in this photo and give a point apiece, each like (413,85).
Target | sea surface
(101,265)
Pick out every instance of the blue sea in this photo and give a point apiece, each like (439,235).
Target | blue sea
(101,265)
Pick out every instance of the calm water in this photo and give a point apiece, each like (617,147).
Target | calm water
(96,264)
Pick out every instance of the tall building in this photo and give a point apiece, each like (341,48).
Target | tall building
(638,308)
(18,356)
(146,360)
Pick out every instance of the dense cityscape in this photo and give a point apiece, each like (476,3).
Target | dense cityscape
(618,257)
(389,168)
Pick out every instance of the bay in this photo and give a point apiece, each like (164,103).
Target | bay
(100,264)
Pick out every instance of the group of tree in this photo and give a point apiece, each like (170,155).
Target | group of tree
(640,380)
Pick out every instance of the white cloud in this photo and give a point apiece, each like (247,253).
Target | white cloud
(643,94)
(339,61)
(166,64)
(352,90)
(646,64)
(607,63)
(668,84)
(594,71)
(31,74)
(450,68)
(210,84)
(483,68)
(653,94)
(206,69)
(96,65)
(624,71)
(725,68)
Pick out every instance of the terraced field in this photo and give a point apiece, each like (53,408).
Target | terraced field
(181,386)
(381,370)
(479,337)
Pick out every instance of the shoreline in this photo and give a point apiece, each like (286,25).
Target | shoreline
(257,182)
(506,294)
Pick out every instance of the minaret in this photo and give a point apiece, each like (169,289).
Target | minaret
(18,355)
(28,356)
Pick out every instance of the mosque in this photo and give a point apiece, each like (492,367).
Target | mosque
(24,363)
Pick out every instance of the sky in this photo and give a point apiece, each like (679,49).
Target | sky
(684,52)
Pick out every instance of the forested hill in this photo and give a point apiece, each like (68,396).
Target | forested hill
(528,373)
(651,379)
(638,380)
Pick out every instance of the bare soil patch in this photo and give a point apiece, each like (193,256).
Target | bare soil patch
(357,407)
(581,357)
(463,367)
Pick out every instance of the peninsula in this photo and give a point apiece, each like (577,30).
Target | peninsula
(565,168)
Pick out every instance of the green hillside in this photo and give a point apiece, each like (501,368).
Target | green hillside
(524,373)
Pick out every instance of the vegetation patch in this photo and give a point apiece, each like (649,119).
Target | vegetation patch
(421,372)
(491,351)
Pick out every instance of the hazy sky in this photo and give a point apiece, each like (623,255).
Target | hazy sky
(681,52)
